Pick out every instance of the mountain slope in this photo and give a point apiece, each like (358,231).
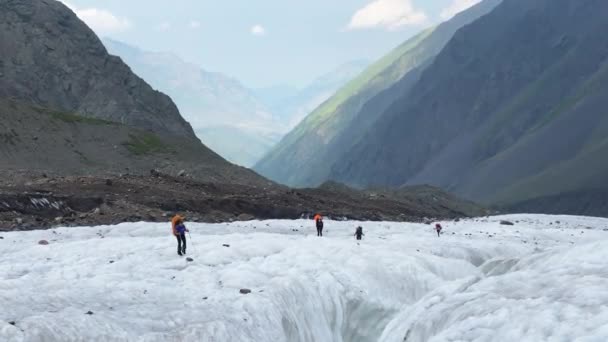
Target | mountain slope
(306,155)
(511,110)
(67,107)
(50,58)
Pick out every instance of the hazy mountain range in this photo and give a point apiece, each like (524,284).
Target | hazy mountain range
(216,104)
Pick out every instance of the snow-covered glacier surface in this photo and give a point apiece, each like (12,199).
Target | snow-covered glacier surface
(543,279)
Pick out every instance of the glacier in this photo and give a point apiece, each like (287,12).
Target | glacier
(543,279)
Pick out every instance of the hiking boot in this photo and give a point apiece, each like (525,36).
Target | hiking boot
(180,253)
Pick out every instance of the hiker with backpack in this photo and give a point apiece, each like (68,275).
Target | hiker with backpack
(359,233)
(319,223)
(438,228)
(179,231)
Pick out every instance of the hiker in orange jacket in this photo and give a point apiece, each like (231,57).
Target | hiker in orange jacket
(179,230)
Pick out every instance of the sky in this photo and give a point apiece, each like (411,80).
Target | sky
(266,43)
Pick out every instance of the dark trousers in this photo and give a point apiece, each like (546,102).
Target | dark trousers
(358,236)
(438,233)
(319,231)
(181,243)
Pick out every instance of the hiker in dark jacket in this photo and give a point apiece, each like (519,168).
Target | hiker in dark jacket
(359,233)
(438,228)
(319,224)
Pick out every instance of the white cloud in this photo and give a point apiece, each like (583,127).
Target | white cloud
(100,20)
(194,24)
(258,30)
(457,6)
(387,14)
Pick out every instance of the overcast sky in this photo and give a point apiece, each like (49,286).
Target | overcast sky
(266,42)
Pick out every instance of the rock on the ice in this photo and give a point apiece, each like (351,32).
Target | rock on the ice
(507,223)
(189,259)
(43,242)
(245,291)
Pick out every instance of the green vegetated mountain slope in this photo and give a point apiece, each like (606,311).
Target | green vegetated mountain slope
(512,111)
(68,107)
(306,155)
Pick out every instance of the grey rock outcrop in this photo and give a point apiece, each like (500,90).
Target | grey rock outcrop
(52,59)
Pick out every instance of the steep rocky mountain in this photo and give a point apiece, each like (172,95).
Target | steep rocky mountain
(307,154)
(68,107)
(511,112)
(51,59)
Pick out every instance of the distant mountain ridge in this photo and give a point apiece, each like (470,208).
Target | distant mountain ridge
(206,98)
(212,100)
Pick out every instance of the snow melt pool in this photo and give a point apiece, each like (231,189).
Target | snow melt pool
(543,279)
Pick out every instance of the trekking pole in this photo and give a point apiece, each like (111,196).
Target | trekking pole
(191,242)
